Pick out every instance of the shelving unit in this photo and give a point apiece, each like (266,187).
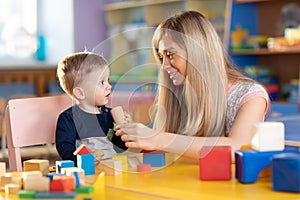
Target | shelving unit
(132,23)
(262,17)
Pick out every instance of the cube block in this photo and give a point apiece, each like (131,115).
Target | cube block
(286,172)
(215,163)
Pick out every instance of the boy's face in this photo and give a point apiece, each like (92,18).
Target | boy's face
(97,88)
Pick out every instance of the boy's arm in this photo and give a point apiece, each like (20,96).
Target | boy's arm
(65,139)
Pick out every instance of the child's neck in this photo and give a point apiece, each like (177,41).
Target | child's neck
(90,108)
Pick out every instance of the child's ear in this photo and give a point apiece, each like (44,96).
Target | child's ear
(78,93)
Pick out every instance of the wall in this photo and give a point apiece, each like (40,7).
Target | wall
(55,22)
(89,24)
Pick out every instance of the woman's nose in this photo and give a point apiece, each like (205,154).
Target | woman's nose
(165,63)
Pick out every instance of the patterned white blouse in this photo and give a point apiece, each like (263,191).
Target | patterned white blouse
(239,93)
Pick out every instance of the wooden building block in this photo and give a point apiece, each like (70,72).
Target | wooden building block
(286,172)
(118,114)
(215,163)
(78,173)
(16,176)
(55,195)
(111,167)
(41,184)
(250,163)
(134,160)
(155,158)
(59,164)
(31,174)
(123,158)
(62,184)
(12,188)
(85,189)
(36,165)
(2,168)
(87,163)
(26,194)
(268,136)
(82,149)
(7,178)
(144,168)
(52,175)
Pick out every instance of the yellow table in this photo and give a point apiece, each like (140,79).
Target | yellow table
(179,180)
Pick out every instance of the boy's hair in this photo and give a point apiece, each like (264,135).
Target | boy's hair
(73,68)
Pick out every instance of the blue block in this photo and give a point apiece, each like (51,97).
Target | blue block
(63,164)
(55,195)
(51,175)
(250,163)
(154,159)
(87,163)
(286,172)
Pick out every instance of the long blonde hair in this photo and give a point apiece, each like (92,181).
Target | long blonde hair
(198,107)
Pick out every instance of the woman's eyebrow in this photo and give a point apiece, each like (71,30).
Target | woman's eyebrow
(166,49)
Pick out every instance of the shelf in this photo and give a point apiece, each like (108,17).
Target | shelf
(264,52)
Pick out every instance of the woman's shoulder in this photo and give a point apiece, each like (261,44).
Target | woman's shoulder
(246,87)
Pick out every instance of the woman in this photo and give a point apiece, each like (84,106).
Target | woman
(202,99)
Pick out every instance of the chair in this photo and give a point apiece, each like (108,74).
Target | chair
(30,122)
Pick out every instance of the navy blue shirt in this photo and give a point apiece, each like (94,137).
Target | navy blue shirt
(75,124)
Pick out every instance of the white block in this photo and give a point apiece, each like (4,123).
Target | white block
(268,136)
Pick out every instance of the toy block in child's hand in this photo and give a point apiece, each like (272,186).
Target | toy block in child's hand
(82,149)
(118,115)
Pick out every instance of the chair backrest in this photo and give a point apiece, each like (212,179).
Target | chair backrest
(31,121)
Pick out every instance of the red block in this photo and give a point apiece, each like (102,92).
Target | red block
(82,149)
(215,163)
(62,184)
(144,168)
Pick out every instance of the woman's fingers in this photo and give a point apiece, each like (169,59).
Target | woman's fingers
(128,138)
(131,145)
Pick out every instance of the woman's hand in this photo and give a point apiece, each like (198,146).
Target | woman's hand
(137,135)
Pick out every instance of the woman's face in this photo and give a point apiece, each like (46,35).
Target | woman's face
(173,59)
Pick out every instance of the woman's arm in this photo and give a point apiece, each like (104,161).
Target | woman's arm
(139,136)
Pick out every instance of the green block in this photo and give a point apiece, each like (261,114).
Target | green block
(26,194)
(115,127)
(85,189)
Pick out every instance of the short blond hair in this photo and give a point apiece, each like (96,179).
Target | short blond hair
(73,68)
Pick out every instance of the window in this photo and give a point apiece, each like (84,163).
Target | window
(18,28)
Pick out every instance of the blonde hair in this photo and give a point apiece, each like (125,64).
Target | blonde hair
(198,107)
(73,69)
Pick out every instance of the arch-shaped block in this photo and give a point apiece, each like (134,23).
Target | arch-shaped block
(250,163)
